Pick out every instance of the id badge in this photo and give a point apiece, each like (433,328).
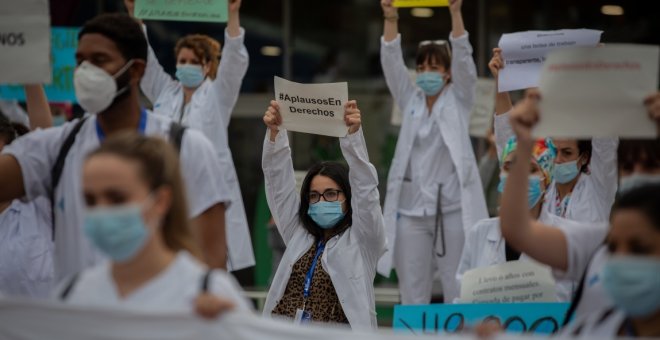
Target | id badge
(302,317)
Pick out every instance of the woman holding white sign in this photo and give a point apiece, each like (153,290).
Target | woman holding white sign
(433,190)
(333,230)
(203,97)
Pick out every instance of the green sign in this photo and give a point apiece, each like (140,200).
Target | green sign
(182,10)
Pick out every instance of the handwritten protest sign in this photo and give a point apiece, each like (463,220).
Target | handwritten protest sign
(312,108)
(420,3)
(514,281)
(542,318)
(598,92)
(24,42)
(525,52)
(481,116)
(64,42)
(182,10)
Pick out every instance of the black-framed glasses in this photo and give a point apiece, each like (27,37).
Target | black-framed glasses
(443,43)
(329,195)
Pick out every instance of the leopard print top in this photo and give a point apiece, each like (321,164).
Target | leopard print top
(323,302)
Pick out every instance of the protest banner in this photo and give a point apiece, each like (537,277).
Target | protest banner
(481,117)
(525,52)
(598,92)
(64,41)
(509,282)
(182,10)
(312,108)
(535,318)
(24,42)
(420,3)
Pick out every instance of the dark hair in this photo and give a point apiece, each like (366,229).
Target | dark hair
(646,199)
(337,172)
(123,30)
(10,131)
(584,149)
(439,53)
(646,152)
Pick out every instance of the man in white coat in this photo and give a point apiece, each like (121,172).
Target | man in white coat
(433,191)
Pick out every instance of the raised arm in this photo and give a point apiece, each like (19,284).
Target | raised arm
(368,222)
(396,74)
(37,107)
(233,65)
(11,179)
(543,243)
(463,69)
(603,166)
(283,200)
(503,105)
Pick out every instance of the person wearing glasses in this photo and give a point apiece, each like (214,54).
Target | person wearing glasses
(333,230)
(434,192)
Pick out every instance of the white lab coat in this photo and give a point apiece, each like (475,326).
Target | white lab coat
(594,193)
(349,258)
(209,111)
(598,324)
(452,113)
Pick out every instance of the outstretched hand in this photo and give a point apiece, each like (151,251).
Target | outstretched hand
(210,306)
(388,9)
(130,7)
(455,5)
(352,116)
(273,119)
(234,5)
(652,103)
(496,63)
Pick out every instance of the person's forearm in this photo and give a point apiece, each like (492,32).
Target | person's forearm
(457,26)
(37,107)
(503,102)
(234,24)
(515,219)
(390,27)
(211,236)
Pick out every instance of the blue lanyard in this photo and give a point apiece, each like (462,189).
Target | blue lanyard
(141,125)
(308,279)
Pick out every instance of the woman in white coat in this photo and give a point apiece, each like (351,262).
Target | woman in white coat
(585,172)
(203,97)
(434,193)
(333,230)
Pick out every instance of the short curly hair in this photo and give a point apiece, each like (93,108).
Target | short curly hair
(205,48)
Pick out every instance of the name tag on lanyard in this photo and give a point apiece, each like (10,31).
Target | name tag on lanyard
(302,314)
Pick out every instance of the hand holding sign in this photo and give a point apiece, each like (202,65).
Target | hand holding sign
(273,119)
(496,63)
(352,117)
(234,6)
(652,103)
(389,11)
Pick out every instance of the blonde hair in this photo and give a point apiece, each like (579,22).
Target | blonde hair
(158,167)
(205,48)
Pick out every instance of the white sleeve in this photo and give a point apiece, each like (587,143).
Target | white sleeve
(603,167)
(463,71)
(155,79)
(223,284)
(283,200)
(503,132)
(14,112)
(206,183)
(395,71)
(36,153)
(367,216)
(583,240)
(232,69)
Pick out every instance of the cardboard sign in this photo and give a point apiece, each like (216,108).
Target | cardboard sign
(420,3)
(598,92)
(312,108)
(525,52)
(182,10)
(24,42)
(540,318)
(64,41)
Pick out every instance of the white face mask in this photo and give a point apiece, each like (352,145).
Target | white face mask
(95,88)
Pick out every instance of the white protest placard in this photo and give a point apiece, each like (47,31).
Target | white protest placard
(312,108)
(598,92)
(24,42)
(525,52)
(481,117)
(510,282)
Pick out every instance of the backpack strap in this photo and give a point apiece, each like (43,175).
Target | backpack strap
(58,167)
(204,287)
(577,298)
(176,135)
(69,287)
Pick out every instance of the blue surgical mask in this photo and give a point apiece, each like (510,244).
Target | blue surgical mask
(59,120)
(118,232)
(534,191)
(430,82)
(633,283)
(565,172)
(326,214)
(190,75)
(637,180)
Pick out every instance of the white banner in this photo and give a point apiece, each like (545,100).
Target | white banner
(525,52)
(598,92)
(24,42)
(509,282)
(312,108)
(481,117)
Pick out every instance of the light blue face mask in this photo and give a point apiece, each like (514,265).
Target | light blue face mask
(534,191)
(119,232)
(637,180)
(190,75)
(633,283)
(326,214)
(430,82)
(565,172)
(59,120)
